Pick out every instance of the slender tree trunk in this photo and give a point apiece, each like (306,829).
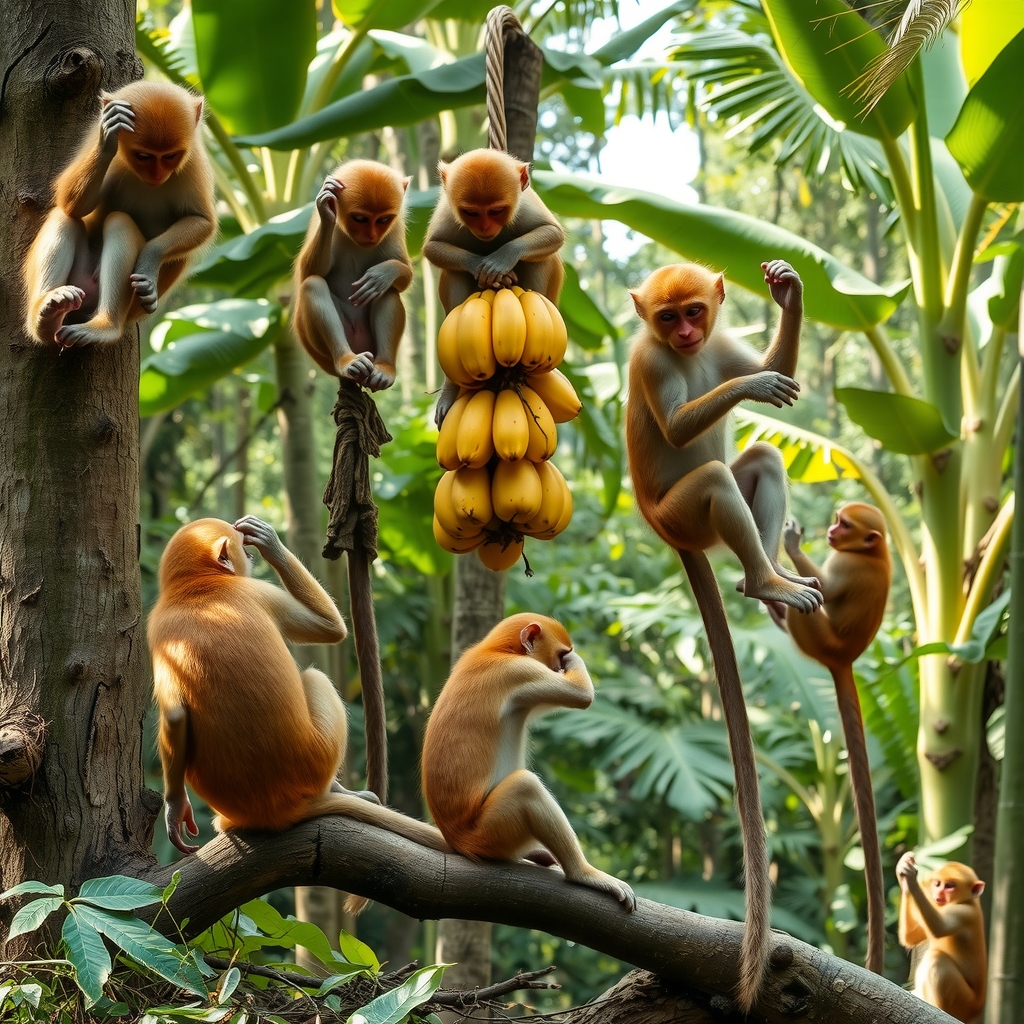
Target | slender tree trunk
(73,663)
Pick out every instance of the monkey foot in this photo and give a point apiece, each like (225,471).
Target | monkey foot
(787,574)
(605,883)
(364,794)
(91,333)
(802,597)
(381,377)
(55,306)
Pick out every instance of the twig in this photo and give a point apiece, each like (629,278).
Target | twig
(523,980)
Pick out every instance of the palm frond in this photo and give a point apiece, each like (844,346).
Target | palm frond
(923,21)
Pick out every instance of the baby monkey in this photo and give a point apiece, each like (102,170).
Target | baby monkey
(484,800)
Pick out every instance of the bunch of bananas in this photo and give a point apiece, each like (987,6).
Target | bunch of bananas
(502,348)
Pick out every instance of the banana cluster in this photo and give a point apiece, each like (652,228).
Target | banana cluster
(502,348)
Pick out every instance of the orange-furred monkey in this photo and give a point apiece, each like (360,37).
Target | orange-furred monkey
(484,800)
(855,585)
(490,229)
(685,374)
(348,275)
(259,740)
(132,210)
(952,971)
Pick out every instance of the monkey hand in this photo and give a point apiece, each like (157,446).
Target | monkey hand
(262,536)
(357,368)
(771,387)
(372,285)
(180,822)
(144,286)
(117,115)
(785,285)
(327,199)
(792,537)
(445,401)
(496,271)
(906,870)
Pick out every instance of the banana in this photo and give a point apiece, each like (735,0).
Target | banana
(444,511)
(553,490)
(539,331)
(563,519)
(495,557)
(456,545)
(557,394)
(559,336)
(516,492)
(448,349)
(474,339)
(510,431)
(508,328)
(471,496)
(447,452)
(487,295)
(541,426)
(473,443)
(516,290)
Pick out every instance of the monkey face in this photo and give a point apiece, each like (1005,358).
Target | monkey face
(486,223)
(367,228)
(683,326)
(152,167)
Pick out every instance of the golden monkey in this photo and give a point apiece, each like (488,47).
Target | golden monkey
(953,970)
(855,585)
(132,210)
(685,374)
(259,740)
(484,800)
(348,275)
(490,229)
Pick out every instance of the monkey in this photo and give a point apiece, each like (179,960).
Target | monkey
(855,586)
(490,229)
(685,375)
(132,210)
(947,920)
(479,791)
(261,741)
(348,275)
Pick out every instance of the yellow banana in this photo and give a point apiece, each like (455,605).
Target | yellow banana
(541,426)
(557,394)
(473,443)
(559,336)
(516,290)
(474,339)
(539,331)
(444,511)
(447,452)
(552,501)
(563,519)
(508,328)
(448,349)
(510,430)
(471,495)
(456,545)
(516,492)
(487,295)
(495,557)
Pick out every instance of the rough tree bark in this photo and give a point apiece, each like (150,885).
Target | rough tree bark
(73,661)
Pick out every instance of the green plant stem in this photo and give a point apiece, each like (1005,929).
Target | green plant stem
(245,179)
(1007,416)
(904,189)
(341,59)
(990,568)
(952,326)
(225,186)
(990,364)
(890,361)
(809,799)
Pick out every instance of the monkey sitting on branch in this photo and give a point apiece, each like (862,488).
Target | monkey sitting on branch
(685,374)
(259,740)
(855,586)
(133,208)
(485,801)
(349,273)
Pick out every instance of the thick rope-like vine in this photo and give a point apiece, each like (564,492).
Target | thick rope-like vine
(500,21)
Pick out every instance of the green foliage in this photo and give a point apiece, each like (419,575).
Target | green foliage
(901,423)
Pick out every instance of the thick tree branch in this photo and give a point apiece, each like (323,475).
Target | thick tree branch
(803,984)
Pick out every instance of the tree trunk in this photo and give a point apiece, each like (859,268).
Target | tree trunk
(73,662)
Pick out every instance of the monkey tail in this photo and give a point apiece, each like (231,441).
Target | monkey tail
(364,628)
(756,945)
(864,807)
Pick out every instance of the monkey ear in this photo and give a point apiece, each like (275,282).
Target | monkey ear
(638,304)
(720,287)
(524,177)
(199,109)
(405,183)
(871,538)
(529,634)
(222,552)
(442,172)
(977,889)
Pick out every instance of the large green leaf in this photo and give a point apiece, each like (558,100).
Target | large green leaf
(901,423)
(193,352)
(392,14)
(253,56)
(87,953)
(833,293)
(828,45)
(587,323)
(985,28)
(119,892)
(988,137)
(394,1006)
(809,458)
(33,914)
